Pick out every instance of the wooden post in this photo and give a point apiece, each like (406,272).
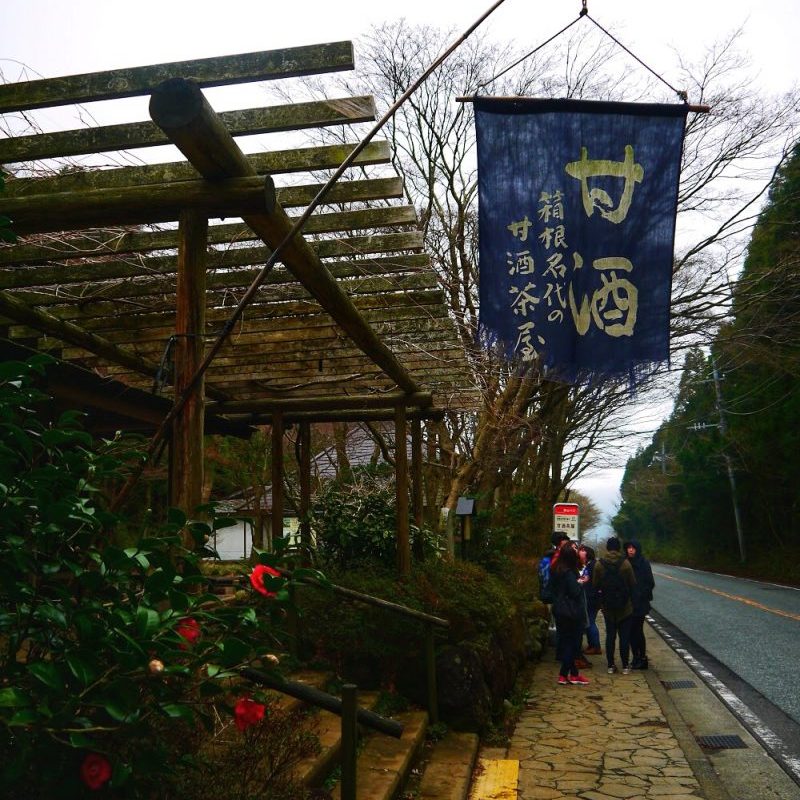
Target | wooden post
(430,669)
(186,462)
(416,482)
(305,491)
(401,474)
(349,741)
(277,477)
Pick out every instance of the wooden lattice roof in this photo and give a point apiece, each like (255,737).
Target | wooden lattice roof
(358,322)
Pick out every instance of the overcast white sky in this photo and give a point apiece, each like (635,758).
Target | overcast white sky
(63,37)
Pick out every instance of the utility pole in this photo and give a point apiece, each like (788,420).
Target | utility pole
(723,429)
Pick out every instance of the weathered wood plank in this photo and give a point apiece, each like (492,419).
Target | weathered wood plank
(129,288)
(218,71)
(127,136)
(138,205)
(276,162)
(65,274)
(296,356)
(186,442)
(153,325)
(120,241)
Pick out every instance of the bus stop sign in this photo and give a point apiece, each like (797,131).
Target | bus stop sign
(566,518)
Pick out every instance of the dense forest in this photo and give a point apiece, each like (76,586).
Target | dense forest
(732,443)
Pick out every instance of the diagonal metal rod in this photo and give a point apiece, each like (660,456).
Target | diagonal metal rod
(181,401)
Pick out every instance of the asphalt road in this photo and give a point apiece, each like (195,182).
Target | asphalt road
(752,628)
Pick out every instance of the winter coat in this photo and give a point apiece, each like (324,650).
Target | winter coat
(626,571)
(567,583)
(592,597)
(642,592)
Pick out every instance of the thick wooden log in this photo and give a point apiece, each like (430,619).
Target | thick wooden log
(416,481)
(127,290)
(121,242)
(219,71)
(386,401)
(347,415)
(186,442)
(179,108)
(65,274)
(127,136)
(301,159)
(276,514)
(138,205)
(304,468)
(401,483)
(420,308)
(16,309)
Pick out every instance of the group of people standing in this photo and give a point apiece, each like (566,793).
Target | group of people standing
(578,585)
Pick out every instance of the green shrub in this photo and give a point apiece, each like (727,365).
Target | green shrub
(355,519)
(111,658)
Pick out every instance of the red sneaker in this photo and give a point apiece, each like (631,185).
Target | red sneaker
(578,680)
(562,680)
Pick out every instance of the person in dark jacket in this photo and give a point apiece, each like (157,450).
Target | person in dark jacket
(641,596)
(570,626)
(588,560)
(617,610)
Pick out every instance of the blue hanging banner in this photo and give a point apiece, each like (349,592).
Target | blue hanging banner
(577,228)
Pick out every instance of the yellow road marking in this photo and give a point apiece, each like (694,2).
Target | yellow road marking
(738,598)
(496,779)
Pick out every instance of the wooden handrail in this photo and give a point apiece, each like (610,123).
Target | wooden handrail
(316,697)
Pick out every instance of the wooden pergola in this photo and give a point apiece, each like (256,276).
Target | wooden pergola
(350,324)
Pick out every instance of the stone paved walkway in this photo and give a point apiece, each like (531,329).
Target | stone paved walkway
(606,741)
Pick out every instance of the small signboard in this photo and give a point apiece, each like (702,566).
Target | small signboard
(566,518)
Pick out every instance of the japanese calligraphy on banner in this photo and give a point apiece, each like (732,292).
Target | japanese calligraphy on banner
(577,226)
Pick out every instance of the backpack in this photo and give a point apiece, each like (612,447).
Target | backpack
(545,586)
(614,591)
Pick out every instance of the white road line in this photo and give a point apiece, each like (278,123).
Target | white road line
(734,577)
(754,724)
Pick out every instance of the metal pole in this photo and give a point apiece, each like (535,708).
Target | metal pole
(349,741)
(723,428)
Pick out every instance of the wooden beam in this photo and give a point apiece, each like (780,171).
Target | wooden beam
(418,400)
(300,417)
(109,269)
(112,241)
(401,482)
(14,308)
(107,138)
(277,477)
(219,71)
(275,162)
(416,481)
(180,109)
(138,205)
(304,468)
(186,462)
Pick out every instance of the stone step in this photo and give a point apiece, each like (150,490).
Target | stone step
(327,727)
(384,762)
(495,779)
(448,772)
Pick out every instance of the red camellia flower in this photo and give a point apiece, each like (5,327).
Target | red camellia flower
(189,629)
(95,770)
(257,579)
(247,712)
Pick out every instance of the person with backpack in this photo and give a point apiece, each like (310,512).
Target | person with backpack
(641,597)
(545,565)
(545,587)
(614,580)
